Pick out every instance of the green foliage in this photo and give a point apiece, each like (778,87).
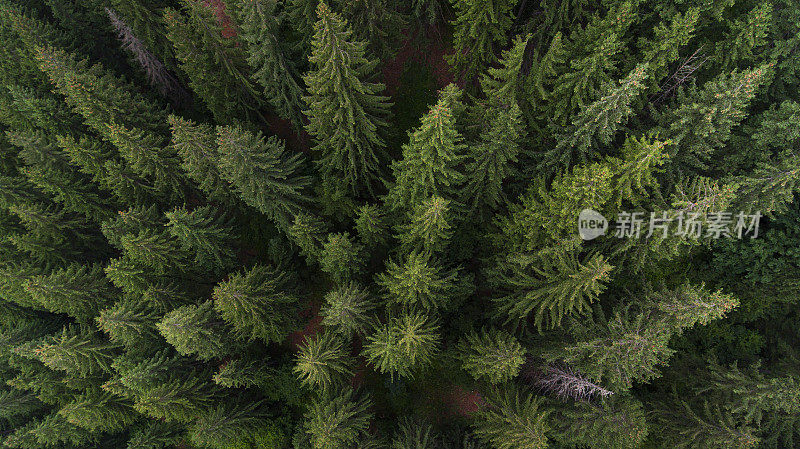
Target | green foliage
(420,281)
(551,287)
(405,344)
(195,330)
(266,176)
(269,58)
(479,28)
(323,362)
(257,303)
(338,421)
(347,115)
(512,419)
(430,158)
(347,309)
(341,257)
(492,354)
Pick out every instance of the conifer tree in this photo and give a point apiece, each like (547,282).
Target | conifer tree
(614,423)
(597,123)
(703,120)
(131,321)
(347,115)
(430,159)
(492,354)
(430,229)
(196,330)
(347,309)
(323,362)
(415,434)
(512,419)
(96,410)
(704,427)
(257,303)
(265,175)
(196,145)
(269,57)
(338,421)
(478,30)
(405,344)
(80,291)
(340,257)
(76,351)
(371,226)
(214,62)
(492,160)
(419,280)
(206,234)
(229,424)
(551,287)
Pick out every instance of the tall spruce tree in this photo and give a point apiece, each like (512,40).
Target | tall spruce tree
(347,115)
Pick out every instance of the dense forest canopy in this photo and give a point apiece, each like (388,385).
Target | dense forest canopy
(405,224)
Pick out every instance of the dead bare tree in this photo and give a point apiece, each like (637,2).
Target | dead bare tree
(156,72)
(680,76)
(565,383)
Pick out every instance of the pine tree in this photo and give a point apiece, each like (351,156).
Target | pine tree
(270,59)
(597,123)
(196,145)
(371,226)
(744,43)
(80,291)
(684,426)
(430,229)
(229,424)
(419,280)
(130,322)
(478,30)
(341,258)
(257,303)
(551,287)
(265,175)
(636,168)
(347,309)
(405,344)
(748,394)
(196,330)
(430,159)
(614,423)
(492,354)
(512,419)
(206,234)
(380,23)
(347,115)
(703,120)
(338,421)
(587,61)
(96,410)
(76,351)
(626,349)
(214,62)
(323,362)
(550,214)
(415,434)
(491,162)
(307,232)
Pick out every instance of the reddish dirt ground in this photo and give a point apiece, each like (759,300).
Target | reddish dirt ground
(463,402)
(432,55)
(313,325)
